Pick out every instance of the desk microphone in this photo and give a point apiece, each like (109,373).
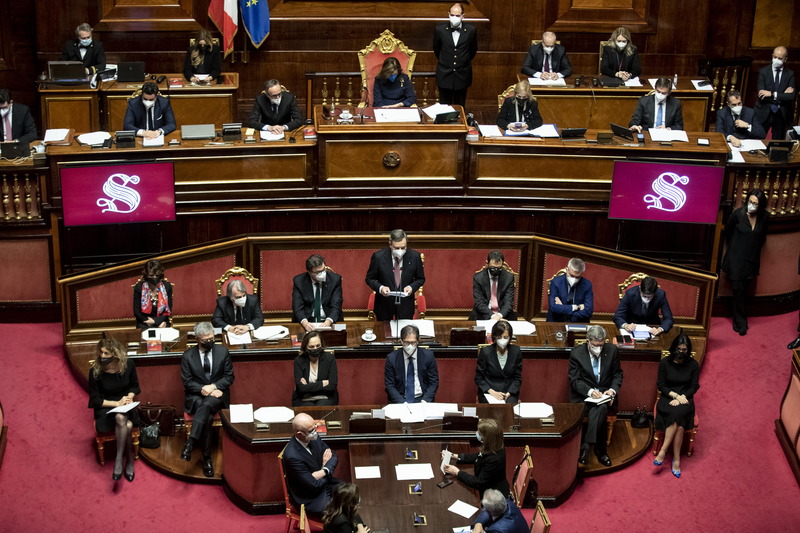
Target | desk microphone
(407,429)
(329,413)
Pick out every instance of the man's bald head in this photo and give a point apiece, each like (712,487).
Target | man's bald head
(302,422)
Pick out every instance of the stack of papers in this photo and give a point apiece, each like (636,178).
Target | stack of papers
(267,136)
(95,137)
(244,338)
(663,134)
(560,82)
(273,414)
(633,82)
(270,332)
(425,327)
(544,131)
(123,408)
(601,400)
(533,410)
(155,141)
(55,135)
(438,109)
(408,413)
(399,114)
(368,472)
(490,130)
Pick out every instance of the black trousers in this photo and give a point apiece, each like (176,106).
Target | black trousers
(596,429)
(740,289)
(453,96)
(203,418)
(778,125)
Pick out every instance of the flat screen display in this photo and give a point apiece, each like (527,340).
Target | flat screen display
(118,193)
(665,192)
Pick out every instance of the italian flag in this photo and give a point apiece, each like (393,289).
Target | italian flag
(225,15)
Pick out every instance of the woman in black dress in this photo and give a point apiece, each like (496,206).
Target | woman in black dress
(341,515)
(113,383)
(315,375)
(203,57)
(520,107)
(620,56)
(499,370)
(745,234)
(678,375)
(152,297)
(490,462)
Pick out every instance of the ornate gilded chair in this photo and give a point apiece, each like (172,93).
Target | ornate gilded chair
(240,273)
(630,280)
(507,268)
(371,59)
(548,280)
(540,523)
(101,439)
(522,477)
(505,94)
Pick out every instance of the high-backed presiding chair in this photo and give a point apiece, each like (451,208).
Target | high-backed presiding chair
(250,282)
(513,315)
(371,59)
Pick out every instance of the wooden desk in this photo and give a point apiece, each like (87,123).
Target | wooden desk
(70,106)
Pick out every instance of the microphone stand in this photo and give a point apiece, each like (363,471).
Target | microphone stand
(517,418)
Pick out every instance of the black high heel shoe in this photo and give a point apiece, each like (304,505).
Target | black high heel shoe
(130,477)
(116,477)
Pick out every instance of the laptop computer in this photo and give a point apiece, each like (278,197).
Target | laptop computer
(66,72)
(622,131)
(192,132)
(447,118)
(573,133)
(14,149)
(608,81)
(131,71)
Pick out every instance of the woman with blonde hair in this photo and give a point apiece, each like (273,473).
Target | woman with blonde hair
(620,56)
(490,461)
(520,111)
(203,62)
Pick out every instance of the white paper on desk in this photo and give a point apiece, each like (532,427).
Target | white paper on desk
(340,327)
(602,399)
(398,114)
(736,156)
(533,410)
(699,87)
(485,324)
(55,135)
(752,144)
(95,137)
(368,472)
(512,133)
(162,334)
(270,332)
(462,529)
(438,109)
(269,136)
(546,130)
(663,134)
(492,399)
(244,338)
(436,410)
(446,455)
(273,414)
(414,412)
(462,508)
(560,82)
(155,141)
(202,77)
(523,327)
(123,408)
(241,413)
(633,82)
(425,327)
(642,327)
(490,130)
(653,83)
(413,471)
(471,411)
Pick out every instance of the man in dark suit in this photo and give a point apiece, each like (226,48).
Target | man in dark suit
(776,89)
(16,121)
(493,290)
(275,110)
(316,295)
(455,45)
(149,114)
(737,122)
(207,374)
(309,466)
(85,49)
(641,304)
(594,371)
(237,312)
(571,297)
(547,60)
(658,110)
(410,374)
(395,269)
(499,515)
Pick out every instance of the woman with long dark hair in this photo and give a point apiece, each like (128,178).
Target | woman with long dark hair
(490,461)
(152,297)
(341,515)
(315,374)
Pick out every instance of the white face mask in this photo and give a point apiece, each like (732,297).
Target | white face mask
(86,42)
(660,97)
(752,208)
(398,253)
(478,436)
(321,276)
(777,63)
(502,343)
(736,110)
(548,49)
(275,101)
(647,299)
(5,111)
(409,348)
(572,281)
(595,350)
(313,435)
(148,103)
(455,22)
(622,46)
(240,301)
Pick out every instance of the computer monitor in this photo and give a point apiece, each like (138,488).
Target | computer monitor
(622,131)
(131,72)
(66,72)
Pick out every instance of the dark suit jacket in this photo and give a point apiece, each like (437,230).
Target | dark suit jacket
(95,58)
(394,375)
(380,272)
(512,520)
(303,297)
(194,378)
(583,294)
(529,115)
(385,92)
(581,375)
(211,64)
(489,375)
(766,82)
(558,60)
(326,369)
(288,115)
(454,63)
(23,129)
(482,293)
(136,115)
(341,523)
(137,306)
(630,309)
(725,124)
(299,465)
(643,114)
(610,64)
(490,471)
(224,313)
(743,244)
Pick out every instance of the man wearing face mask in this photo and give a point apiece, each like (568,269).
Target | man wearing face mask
(641,305)
(149,114)
(737,122)
(571,298)
(317,295)
(658,110)
(309,465)
(237,312)
(547,60)
(275,110)
(493,290)
(594,371)
(776,87)
(397,268)
(410,374)
(86,49)
(207,374)
(16,121)
(455,45)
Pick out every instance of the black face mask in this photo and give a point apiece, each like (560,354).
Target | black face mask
(105,361)
(152,281)
(316,352)
(205,48)
(495,271)
(521,101)
(206,345)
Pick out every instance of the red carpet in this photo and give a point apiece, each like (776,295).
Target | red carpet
(738,479)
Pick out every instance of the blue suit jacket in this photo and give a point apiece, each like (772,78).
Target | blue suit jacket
(630,309)
(725,123)
(299,465)
(512,520)
(564,313)
(136,119)
(394,375)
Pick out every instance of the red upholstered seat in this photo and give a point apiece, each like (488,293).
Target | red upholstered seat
(371,59)
(522,477)
(688,438)
(250,282)
(293,514)
(420,305)
(188,418)
(540,522)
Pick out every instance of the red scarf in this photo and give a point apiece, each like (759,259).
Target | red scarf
(163,300)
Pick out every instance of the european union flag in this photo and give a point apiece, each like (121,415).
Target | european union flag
(255,17)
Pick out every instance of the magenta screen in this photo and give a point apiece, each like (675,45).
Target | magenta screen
(665,192)
(118,194)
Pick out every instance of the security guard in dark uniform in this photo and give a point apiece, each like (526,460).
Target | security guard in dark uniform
(455,44)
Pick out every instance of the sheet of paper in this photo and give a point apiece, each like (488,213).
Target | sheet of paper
(425,326)
(270,332)
(95,137)
(663,134)
(462,508)
(123,408)
(642,327)
(162,334)
(436,410)
(55,135)
(633,82)
(244,338)
(241,413)
(602,399)
(523,327)
(397,294)
(462,529)
(437,109)
(273,414)
(399,114)
(796,129)
(268,136)
(201,77)
(486,324)
(470,411)
(698,87)
(368,472)
(560,82)
(653,83)
(414,412)
(405,472)
(490,130)
(533,410)
(511,133)
(752,144)
(546,130)
(492,399)
(736,156)
(446,456)
(155,141)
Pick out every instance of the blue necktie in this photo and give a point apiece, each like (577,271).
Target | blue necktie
(660,115)
(596,368)
(410,381)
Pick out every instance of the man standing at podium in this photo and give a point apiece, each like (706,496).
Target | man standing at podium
(395,269)
(275,110)
(16,122)
(85,49)
(149,114)
(317,295)
(455,45)
(309,464)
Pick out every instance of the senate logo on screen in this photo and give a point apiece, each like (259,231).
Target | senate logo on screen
(668,196)
(123,199)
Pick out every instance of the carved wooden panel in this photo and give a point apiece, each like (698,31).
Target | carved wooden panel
(148,15)
(600,15)
(6,55)
(774,23)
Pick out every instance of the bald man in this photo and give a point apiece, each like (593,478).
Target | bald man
(776,86)
(547,60)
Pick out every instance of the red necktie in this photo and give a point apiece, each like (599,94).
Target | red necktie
(398,270)
(7,126)
(493,300)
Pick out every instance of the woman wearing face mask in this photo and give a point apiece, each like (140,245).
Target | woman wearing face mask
(490,462)
(204,58)
(678,377)
(620,57)
(745,234)
(315,375)
(152,297)
(113,383)
(499,370)
(392,87)
(521,108)
(341,515)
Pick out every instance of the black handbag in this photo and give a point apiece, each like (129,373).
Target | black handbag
(163,414)
(149,436)
(640,418)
